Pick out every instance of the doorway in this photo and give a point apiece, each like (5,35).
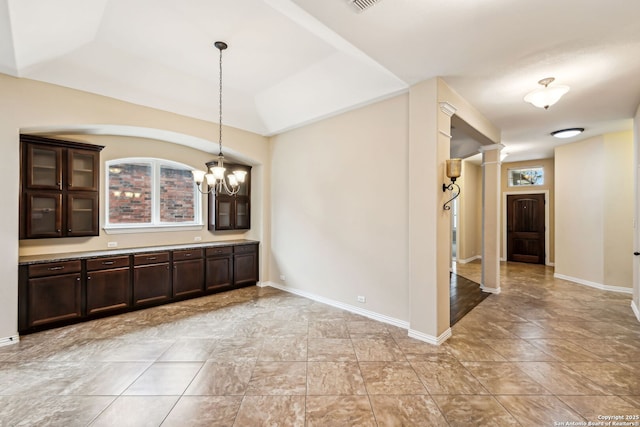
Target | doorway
(526,226)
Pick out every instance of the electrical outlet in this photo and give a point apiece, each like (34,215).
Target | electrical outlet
(112,244)
(282,277)
(361,299)
(197,238)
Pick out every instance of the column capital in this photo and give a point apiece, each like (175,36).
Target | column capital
(448,109)
(485,148)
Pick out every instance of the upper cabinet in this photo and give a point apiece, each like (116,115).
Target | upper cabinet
(231,212)
(59,188)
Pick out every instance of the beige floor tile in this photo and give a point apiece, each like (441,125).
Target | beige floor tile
(339,411)
(518,350)
(165,378)
(539,410)
(266,411)
(564,350)
(284,349)
(222,378)
(125,411)
(474,411)
(407,410)
(391,378)
(204,411)
(504,378)
(278,378)
(472,350)
(614,378)
(68,411)
(447,378)
(590,407)
(328,329)
(560,379)
(377,349)
(330,350)
(334,378)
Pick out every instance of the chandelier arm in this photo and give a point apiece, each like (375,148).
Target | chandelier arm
(231,192)
(203,192)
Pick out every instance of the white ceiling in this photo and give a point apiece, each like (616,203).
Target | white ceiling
(291,62)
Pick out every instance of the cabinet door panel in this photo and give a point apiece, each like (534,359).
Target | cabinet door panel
(151,283)
(245,268)
(82,214)
(223,213)
(82,170)
(242,214)
(53,299)
(107,290)
(188,277)
(219,272)
(44,167)
(44,214)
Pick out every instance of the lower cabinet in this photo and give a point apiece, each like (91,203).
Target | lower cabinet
(188,273)
(245,264)
(59,292)
(108,284)
(219,267)
(151,278)
(54,293)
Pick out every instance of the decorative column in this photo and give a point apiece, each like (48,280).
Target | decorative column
(491,189)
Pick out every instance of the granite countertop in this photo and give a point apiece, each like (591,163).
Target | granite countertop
(37,259)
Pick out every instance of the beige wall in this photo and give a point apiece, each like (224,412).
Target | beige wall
(594,228)
(470,213)
(339,208)
(549,185)
(27,104)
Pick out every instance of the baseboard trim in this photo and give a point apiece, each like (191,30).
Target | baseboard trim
(490,290)
(635,309)
(14,339)
(430,339)
(468,260)
(600,286)
(348,307)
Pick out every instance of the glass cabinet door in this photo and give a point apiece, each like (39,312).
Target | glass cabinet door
(82,214)
(242,213)
(82,170)
(223,213)
(45,215)
(44,167)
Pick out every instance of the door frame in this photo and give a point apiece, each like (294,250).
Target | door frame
(547,234)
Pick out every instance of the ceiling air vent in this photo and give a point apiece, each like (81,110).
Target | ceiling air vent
(363,4)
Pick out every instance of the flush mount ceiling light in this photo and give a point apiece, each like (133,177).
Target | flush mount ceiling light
(567,133)
(546,96)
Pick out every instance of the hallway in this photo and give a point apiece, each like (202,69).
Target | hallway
(542,351)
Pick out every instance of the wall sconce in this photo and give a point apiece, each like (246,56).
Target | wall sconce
(454,169)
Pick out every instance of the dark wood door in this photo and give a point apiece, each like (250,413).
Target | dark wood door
(525,228)
(55,298)
(219,271)
(151,284)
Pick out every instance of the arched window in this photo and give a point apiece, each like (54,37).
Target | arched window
(149,193)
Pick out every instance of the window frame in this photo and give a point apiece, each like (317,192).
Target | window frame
(155,225)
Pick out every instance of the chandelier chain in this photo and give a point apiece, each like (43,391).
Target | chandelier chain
(220,107)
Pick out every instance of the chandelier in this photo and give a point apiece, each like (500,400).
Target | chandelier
(547,95)
(216,177)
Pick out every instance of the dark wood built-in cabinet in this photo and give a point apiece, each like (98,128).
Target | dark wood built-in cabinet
(188,273)
(151,278)
(231,212)
(85,286)
(59,188)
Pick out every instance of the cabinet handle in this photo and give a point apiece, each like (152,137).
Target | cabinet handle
(58,230)
(59,185)
(108,262)
(187,254)
(151,258)
(77,279)
(88,277)
(69,230)
(55,268)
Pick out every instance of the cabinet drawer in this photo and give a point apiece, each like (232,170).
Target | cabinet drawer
(243,249)
(106,263)
(151,258)
(220,250)
(187,254)
(54,268)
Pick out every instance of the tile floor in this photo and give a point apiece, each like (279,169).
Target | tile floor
(544,351)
